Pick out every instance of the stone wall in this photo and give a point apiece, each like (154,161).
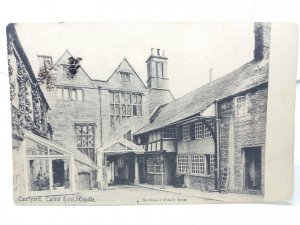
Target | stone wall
(199,182)
(237,133)
(65,114)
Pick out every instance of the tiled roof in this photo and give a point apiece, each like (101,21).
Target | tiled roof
(247,76)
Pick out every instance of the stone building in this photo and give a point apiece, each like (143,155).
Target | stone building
(90,116)
(41,167)
(121,131)
(213,138)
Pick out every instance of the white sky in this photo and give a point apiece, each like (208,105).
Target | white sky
(192,48)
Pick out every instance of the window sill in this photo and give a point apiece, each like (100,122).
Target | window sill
(196,175)
(156,173)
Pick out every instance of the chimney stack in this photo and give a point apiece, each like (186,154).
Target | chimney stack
(262,32)
(158,52)
(152,51)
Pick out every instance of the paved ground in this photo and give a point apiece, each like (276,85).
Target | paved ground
(126,195)
(216,196)
(140,195)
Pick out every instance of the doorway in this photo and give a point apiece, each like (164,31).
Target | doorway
(252,170)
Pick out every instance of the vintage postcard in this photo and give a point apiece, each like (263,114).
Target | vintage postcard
(152,113)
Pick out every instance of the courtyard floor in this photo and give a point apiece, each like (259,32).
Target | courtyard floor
(151,194)
(143,194)
(134,195)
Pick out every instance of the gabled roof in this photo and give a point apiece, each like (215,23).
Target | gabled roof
(120,146)
(124,66)
(244,78)
(64,60)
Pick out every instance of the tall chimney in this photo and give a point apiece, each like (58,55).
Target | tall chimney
(158,52)
(262,32)
(152,51)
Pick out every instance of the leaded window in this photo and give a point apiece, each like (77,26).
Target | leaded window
(241,106)
(69,94)
(155,164)
(169,133)
(207,132)
(85,134)
(198,130)
(183,163)
(196,164)
(124,105)
(186,133)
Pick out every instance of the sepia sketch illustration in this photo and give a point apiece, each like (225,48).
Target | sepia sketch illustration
(125,140)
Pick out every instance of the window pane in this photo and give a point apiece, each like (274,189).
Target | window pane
(78,129)
(117,97)
(91,142)
(241,106)
(139,99)
(112,121)
(134,99)
(73,95)
(112,109)
(128,98)
(66,94)
(128,110)
(84,141)
(79,141)
(140,113)
(122,98)
(123,110)
(186,133)
(111,97)
(91,130)
(80,95)
(39,175)
(84,129)
(35,148)
(117,121)
(134,112)
(61,173)
(117,109)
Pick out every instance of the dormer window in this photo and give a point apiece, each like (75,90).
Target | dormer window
(125,77)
